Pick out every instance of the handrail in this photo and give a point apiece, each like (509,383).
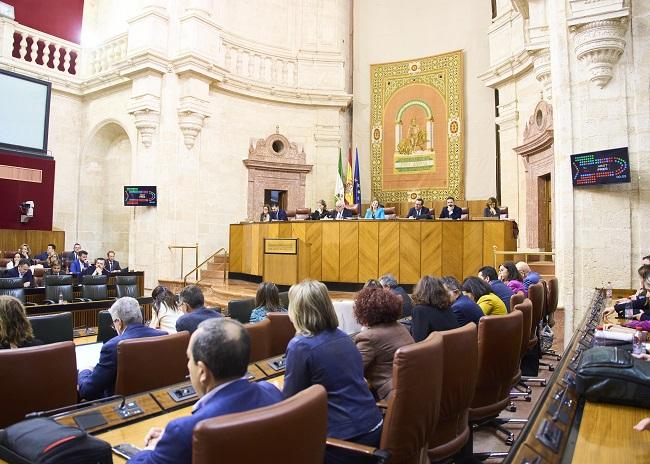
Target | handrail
(183,248)
(196,269)
(519,252)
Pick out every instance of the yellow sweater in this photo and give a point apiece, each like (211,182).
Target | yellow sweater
(492,305)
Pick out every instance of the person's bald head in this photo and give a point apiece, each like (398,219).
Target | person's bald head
(523,268)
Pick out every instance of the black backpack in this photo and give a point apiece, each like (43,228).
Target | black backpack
(42,440)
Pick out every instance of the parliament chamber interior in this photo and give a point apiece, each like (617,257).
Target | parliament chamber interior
(330,231)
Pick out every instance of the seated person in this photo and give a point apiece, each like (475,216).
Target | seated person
(97,269)
(25,252)
(419,211)
(164,310)
(340,211)
(322,354)
(266,214)
(79,266)
(378,309)
(464,308)
(15,329)
(22,271)
(529,276)
(111,264)
(491,209)
(432,311)
(267,300)
(192,303)
(390,282)
(489,274)
(509,275)
(47,256)
(278,214)
(638,302)
(480,292)
(375,211)
(55,268)
(127,320)
(451,211)
(218,353)
(14,261)
(320,212)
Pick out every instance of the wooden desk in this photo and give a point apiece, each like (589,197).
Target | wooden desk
(355,251)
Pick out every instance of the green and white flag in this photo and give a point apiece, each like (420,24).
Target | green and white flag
(339,192)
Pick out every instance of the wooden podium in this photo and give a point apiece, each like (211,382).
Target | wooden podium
(286,260)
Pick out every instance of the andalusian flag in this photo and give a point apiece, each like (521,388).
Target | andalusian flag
(349,181)
(339,191)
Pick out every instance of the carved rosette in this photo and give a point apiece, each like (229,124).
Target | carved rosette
(600,44)
(191,116)
(146,115)
(542,70)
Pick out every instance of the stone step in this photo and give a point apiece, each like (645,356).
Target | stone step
(211,274)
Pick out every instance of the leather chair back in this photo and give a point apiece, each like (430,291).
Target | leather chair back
(536,296)
(126,286)
(284,299)
(260,334)
(390,213)
(151,362)
(464,215)
(282,331)
(53,328)
(105,329)
(229,438)
(503,212)
(241,310)
(94,287)
(56,285)
(414,403)
(302,213)
(8,254)
(37,379)
(499,345)
(516,299)
(459,375)
(526,308)
(291,214)
(13,286)
(551,306)
(38,273)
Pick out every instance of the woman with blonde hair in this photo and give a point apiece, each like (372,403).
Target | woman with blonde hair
(375,211)
(322,354)
(15,329)
(164,310)
(491,208)
(25,252)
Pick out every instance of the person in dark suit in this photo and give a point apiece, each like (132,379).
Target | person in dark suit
(489,274)
(464,308)
(55,269)
(419,211)
(451,211)
(99,268)
(79,266)
(127,320)
(320,212)
(192,303)
(76,252)
(491,208)
(22,271)
(218,352)
(340,211)
(278,214)
(390,282)
(432,312)
(111,264)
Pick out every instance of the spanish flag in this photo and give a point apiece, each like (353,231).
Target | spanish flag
(349,181)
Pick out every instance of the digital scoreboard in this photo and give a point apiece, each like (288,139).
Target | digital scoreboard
(140,196)
(601,167)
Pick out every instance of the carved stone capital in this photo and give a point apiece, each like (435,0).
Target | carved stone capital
(146,114)
(191,116)
(542,70)
(599,44)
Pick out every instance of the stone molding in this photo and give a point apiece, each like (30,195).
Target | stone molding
(192,113)
(542,71)
(145,110)
(508,116)
(509,69)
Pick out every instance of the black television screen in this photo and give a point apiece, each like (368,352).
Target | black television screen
(601,167)
(24,113)
(140,196)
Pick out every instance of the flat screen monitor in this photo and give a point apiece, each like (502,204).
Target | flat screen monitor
(24,113)
(140,196)
(601,167)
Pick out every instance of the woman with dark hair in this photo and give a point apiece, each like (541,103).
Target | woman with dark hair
(14,261)
(267,300)
(373,283)
(432,311)
(491,208)
(509,275)
(266,214)
(320,212)
(164,310)
(15,329)
(481,293)
(378,309)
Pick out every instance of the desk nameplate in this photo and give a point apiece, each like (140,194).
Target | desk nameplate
(280,246)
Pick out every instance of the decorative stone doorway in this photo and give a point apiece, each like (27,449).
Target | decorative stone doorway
(537,152)
(274,163)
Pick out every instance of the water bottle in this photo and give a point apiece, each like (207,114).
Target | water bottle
(629,312)
(60,297)
(637,343)
(608,292)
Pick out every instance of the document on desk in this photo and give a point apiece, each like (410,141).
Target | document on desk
(87,355)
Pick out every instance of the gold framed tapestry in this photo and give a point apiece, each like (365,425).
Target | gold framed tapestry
(416,128)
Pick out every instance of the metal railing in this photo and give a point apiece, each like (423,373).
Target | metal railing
(196,256)
(526,253)
(198,266)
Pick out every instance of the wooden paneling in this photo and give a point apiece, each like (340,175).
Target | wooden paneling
(472,247)
(348,251)
(431,248)
(389,248)
(314,240)
(452,248)
(285,230)
(330,251)
(235,248)
(37,240)
(493,234)
(247,250)
(368,250)
(409,252)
